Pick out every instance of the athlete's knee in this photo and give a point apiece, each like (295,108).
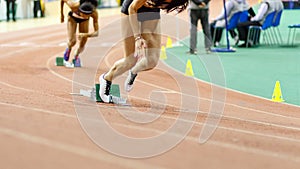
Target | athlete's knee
(72,42)
(129,62)
(152,63)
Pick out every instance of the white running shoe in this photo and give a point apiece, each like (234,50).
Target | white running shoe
(129,81)
(68,64)
(104,89)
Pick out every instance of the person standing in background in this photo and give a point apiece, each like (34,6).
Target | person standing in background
(199,9)
(11,8)
(37,6)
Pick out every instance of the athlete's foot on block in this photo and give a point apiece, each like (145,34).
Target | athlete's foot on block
(77,62)
(129,81)
(67,54)
(68,64)
(105,89)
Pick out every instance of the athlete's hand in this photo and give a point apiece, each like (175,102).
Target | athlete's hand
(140,46)
(83,35)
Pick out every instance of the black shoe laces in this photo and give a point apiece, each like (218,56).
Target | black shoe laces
(107,87)
(132,78)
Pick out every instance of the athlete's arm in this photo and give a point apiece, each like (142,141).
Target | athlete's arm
(62,11)
(96,27)
(72,5)
(133,8)
(95,24)
(140,43)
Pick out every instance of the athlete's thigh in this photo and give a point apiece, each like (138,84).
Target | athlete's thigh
(84,27)
(152,33)
(127,36)
(72,26)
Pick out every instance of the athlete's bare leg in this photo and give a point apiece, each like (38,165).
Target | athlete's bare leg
(83,28)
(129,60)
(151,33)
(71,26)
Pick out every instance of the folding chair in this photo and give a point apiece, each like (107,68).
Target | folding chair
(294,27)
(232,24)
(275,25)
(254,31)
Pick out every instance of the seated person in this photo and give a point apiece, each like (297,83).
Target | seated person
(232,7)
(266,7)
(278,6)
(251,13)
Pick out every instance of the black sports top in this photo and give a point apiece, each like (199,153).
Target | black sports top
(144,13)
(77,20)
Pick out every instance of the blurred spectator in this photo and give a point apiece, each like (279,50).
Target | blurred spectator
(266,7)
(279,5)
(37,6)
(251,13)
(232,7)
(199,10)
(10,7)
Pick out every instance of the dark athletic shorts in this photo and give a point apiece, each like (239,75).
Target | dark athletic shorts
(144,13)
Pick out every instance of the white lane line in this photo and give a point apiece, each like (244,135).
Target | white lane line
(106,157)
(253,121)
(62,44)
(38,110)
(35,45)
(233,90)
(149,114)
(16,87)
(172,91)
(42,36)
(233,118)
(60,76)
(230,104)
(15,52)
(165,91)
(222,144)
(217,143)
(206,99)
(163,116)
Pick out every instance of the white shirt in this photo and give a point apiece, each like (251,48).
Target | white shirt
(229,6)
(261,12)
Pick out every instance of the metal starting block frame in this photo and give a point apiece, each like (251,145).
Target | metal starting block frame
(94,94)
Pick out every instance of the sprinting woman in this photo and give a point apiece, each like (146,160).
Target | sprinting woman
(142,40)
(79,15)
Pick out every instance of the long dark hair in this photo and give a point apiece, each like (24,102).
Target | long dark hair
(93,2)
(174,5)
(86,8)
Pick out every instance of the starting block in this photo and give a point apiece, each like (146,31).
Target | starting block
(94,94)
(114,91)
(59,61)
